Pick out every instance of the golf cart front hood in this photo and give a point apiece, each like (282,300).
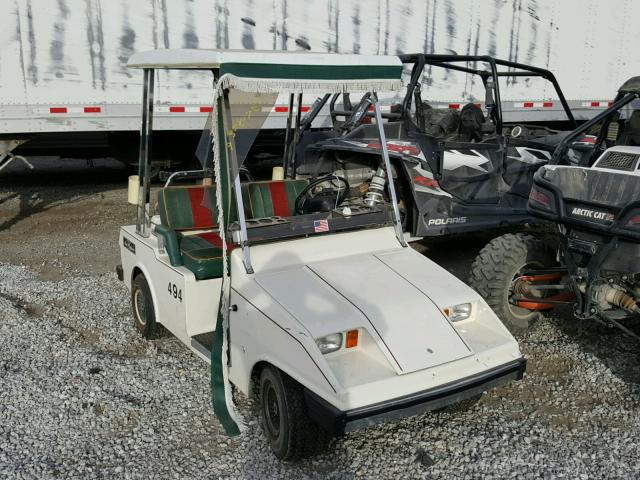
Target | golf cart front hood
(362,291)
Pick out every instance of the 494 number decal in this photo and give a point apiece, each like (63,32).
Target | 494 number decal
(174,291)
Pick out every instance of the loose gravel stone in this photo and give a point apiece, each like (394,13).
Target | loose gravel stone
(83,396)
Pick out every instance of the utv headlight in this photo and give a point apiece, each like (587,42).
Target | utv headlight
(329,343)
(462,311)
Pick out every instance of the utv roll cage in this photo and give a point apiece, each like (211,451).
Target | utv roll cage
(627,93)
(489,79)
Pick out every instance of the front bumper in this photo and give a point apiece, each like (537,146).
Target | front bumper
(338,422)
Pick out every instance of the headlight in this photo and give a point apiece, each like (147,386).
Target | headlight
(329,343)
(462,311)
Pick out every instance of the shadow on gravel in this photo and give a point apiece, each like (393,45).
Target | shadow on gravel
(104,174)
(615,349)
(33,203)
(55,182)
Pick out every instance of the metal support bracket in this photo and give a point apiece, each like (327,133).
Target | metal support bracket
(387,166)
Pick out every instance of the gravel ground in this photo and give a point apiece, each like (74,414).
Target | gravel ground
(83,396)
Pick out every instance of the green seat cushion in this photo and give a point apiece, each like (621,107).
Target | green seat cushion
(275,198)
(202,254)
(188,208)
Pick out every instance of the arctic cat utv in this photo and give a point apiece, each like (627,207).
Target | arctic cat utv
(593,195)
(455,171)
(302,292)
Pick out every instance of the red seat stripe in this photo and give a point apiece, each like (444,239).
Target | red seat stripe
(279,199)
(200,208)
(214,239)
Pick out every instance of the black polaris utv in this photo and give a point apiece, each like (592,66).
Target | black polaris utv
(456,168)
(593,195)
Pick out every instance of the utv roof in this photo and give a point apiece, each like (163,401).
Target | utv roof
(631,86)
(452,62)
(283,70)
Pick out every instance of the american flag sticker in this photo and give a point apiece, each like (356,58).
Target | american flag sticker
(320,226)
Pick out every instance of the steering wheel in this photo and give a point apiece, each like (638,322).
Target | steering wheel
(309,201)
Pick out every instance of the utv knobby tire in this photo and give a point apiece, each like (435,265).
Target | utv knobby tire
(495,268)
(144,315)
(292,435)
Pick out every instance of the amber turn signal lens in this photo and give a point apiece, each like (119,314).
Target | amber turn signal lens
(352,339)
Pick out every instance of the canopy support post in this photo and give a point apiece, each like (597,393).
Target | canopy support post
(287,138)
(143,222)
(387,166)
(296,139)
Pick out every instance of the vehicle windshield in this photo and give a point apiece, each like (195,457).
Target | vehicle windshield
(288,189)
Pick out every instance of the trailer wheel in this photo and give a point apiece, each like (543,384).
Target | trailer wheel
(144,315)
(495,268)
(289,430)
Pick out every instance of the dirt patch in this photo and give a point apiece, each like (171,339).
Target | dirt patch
(63,216)
(554,367)
(31,309)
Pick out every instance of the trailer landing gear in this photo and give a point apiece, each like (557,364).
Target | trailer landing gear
(6,157)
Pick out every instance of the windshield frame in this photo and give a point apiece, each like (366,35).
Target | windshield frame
(229,143)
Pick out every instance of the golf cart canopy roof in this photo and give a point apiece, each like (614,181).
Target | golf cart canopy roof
(631,86)
(283,71)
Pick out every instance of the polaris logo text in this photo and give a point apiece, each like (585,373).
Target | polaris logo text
(585,212)
(446,221)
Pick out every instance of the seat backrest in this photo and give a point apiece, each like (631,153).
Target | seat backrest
(471,120)
(631,134)
(188,208)
(271,198)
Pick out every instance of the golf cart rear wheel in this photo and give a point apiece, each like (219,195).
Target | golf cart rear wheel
(144,315)
(496,267)
(285,422)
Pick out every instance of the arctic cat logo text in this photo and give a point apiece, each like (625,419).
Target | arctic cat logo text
(446,221)
(585,212)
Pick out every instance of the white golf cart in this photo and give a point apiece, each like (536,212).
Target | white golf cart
(302,290)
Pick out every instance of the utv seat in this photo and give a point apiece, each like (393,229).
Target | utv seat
(631,135)
(188,227)
(471,121)
(271,198)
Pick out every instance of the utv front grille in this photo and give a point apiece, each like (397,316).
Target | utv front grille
(619,161)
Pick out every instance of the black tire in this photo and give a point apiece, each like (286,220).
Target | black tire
(292,435)
(495,268)
(144,315)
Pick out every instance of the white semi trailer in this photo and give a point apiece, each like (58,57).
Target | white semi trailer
(64,86)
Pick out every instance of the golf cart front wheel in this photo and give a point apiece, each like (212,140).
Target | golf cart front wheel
(496,268)
(289,430)
(144,316)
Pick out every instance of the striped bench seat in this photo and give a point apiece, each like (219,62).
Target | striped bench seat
(183,210)
(271,198)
